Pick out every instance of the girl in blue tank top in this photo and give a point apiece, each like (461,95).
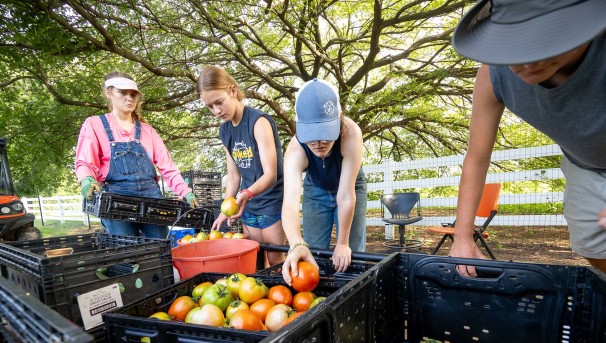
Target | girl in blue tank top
(254,160)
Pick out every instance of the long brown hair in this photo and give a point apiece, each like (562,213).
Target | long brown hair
(136,114)
(212,78)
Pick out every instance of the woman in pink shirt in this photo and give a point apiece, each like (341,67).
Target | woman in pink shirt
(120,151)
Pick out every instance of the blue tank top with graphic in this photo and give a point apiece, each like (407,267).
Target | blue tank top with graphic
(244,151)
(572,114)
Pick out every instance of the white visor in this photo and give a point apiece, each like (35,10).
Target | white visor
(121,83)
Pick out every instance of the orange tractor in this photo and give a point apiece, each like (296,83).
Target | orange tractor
(15,222)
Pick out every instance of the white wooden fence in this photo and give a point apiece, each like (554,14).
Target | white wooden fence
(69,208)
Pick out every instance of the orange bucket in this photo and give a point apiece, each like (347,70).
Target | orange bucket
(216,256)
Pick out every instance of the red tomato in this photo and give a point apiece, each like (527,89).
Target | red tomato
(252,289)
(246,320)
(277,316)
(307,279)
(302,301)
(280,294)
(180,308)
(261,307)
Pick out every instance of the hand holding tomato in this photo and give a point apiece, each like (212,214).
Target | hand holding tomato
(307,278)
(298,253)
(341,257)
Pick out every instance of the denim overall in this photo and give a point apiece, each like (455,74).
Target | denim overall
(131,173)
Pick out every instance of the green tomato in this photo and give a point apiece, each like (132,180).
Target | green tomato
(217,295)
(316,301)
(197,292)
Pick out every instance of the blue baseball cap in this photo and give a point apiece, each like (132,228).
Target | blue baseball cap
(318,112)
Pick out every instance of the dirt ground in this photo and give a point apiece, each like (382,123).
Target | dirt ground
(547,245)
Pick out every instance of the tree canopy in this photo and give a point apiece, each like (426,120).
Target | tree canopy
(392,62)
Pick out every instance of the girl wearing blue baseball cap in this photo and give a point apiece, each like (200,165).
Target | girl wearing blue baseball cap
(328,148)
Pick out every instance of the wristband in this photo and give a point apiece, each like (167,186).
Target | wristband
(248,192)
(297,244)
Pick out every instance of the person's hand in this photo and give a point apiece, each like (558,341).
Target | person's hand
(465,247)
(191,200)
(219,221)
(87,186)
(602,219)
(300,252)
(341,257)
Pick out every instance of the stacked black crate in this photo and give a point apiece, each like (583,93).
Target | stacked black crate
(207,189)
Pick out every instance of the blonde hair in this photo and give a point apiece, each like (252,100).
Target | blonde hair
(212,78)
(136,114)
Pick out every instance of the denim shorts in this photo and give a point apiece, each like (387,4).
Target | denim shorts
(259,221)
(584,198)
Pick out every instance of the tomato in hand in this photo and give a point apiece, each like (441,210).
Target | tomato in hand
(302,301)
(180,308)
(261,307)
(246,320)
(252,289)
(307,278)
(280,294)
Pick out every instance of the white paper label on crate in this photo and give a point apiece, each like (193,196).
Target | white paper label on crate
(93,303)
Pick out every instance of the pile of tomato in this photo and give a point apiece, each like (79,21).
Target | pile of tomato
(245,302)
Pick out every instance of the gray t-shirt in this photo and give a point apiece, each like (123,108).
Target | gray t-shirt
(242,146)
(572,114)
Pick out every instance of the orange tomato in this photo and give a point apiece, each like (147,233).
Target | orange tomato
(215,234)
(302,301)
(261,307)
(291,318)
(180,308)
(246,320)
(280,294)
(307,278)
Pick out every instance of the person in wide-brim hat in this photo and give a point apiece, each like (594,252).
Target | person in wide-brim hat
(545,61)
(522,31)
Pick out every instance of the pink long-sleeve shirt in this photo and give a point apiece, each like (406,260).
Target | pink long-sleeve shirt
(93,152)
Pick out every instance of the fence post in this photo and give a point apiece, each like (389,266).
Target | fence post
(40,207)
(61,214)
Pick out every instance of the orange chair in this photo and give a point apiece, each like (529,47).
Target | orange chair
(487,209)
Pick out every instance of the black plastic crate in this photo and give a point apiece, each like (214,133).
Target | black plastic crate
(360,262)
(142,265)
(131,323)
(194,177)
(26,319)
(410,298)
(147,210)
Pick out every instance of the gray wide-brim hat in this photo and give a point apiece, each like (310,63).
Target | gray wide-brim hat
(510,32)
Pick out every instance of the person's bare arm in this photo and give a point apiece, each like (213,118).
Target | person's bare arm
(485,117)
(269,162)
(231,187)
(351,150)
(295,162)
